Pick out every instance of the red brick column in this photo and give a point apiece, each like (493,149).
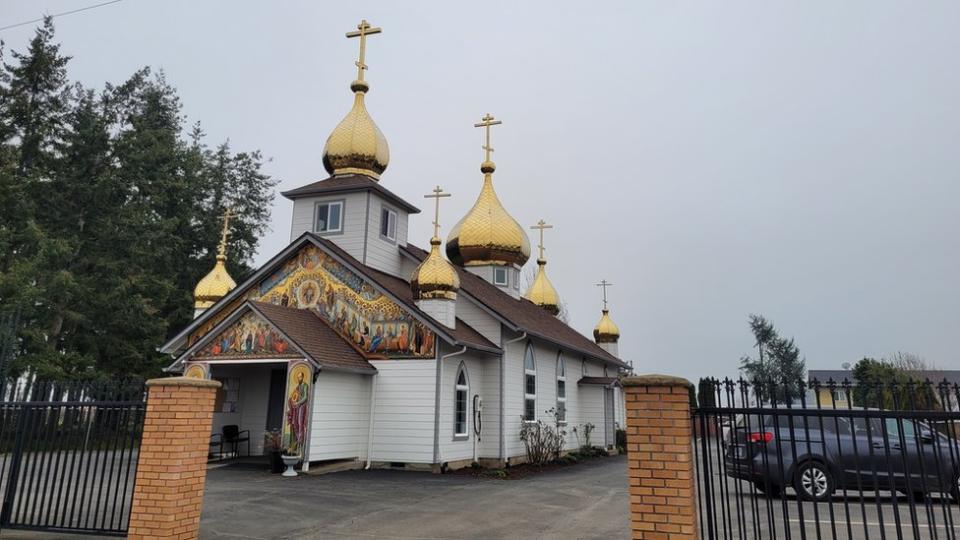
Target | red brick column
(660,457)
(172,465)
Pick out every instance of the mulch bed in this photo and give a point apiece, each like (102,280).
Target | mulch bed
(524,470)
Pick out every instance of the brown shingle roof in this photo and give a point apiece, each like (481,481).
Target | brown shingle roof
(602,381)
(349,183)
(524,314)
(314,336)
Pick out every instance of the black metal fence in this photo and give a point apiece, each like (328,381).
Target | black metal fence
(68,454)
(828,460)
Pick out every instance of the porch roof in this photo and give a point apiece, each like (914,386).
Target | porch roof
(315,337)
(600,381)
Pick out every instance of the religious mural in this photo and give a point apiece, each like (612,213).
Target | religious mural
(250,336)
(313,280)
(196,370)
(296,415)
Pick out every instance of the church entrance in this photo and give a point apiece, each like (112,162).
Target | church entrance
(278,382)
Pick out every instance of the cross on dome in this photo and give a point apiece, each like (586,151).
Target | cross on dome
(222,249)
(487,122)
(541,225)
(604,283)
(363,30)
(437,194)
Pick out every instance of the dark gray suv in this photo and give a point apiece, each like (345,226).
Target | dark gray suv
(818,455)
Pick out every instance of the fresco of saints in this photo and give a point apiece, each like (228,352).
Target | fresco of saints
(297,411)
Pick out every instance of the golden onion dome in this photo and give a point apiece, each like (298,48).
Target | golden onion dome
(214,285)
(606,331)
(356,145)
(435,277)
(488,234)
(541,291)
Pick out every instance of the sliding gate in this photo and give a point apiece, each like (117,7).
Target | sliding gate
(68,456)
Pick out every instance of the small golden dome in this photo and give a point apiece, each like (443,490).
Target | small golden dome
(357,146)
(488,234)
(541,291)
(606,331)
(214,285)
(435,277)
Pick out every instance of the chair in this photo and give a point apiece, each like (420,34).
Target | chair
(234,436)
(216,441)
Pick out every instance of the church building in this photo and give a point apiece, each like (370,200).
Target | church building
(353,343)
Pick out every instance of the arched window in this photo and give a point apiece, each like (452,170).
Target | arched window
(529,385)
(460,393)
(561,388)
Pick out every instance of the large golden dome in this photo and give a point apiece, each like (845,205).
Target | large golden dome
(214,285)
(357,146)
(435,277)
(488,234)
(542,292)
(606,331)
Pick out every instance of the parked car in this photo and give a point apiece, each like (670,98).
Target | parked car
(818,455)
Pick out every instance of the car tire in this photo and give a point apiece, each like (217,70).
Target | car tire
(813,482)
(768,489)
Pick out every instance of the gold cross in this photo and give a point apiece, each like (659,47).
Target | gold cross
(438,193)
(604,283)
(227,214)
(541,225)
(363,30)
(486,122)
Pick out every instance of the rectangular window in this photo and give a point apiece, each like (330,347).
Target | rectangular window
(562,410)
(561,389)
(500,276)
(460,408)
(388,224)
(329,217)
(531,384)
(529,409)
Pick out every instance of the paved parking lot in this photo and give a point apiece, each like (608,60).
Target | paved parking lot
(588,500)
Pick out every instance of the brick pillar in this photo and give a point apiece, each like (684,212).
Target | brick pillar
(660,457)
(172,466)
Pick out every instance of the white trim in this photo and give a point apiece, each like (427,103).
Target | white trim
(390,212)
(329,203)
(562,377)
(506,276)
(465,388)
(526,373)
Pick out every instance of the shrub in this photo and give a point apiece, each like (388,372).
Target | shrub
(622,441)
(587,430)
(543,442)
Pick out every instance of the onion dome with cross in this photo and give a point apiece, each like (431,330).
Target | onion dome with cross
(541,291)
(488,234)
(435,278)
(605,331)
(217,283)
(356,145)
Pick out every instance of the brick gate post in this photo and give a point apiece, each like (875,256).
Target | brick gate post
(660,457)
(172,465)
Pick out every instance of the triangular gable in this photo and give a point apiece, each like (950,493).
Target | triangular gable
(310,278)
(245,336)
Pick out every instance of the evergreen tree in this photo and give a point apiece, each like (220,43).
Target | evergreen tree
(109,216)
(778,371)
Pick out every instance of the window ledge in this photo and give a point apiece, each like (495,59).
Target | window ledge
(461,437)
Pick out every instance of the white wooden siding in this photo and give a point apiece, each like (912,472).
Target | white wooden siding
(354,220)
(478,319)
(450,449)
(490,393)
(591,411)
(382,254)
(340,416)
(404,411)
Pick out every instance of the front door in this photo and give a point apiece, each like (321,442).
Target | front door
(278,383)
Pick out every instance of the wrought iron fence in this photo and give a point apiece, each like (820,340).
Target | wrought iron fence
(828,459)
(68,454)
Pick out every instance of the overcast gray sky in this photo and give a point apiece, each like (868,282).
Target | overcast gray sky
(712,160)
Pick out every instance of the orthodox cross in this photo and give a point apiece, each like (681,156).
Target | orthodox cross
(363,30)
(438,193)
(227,214)
(486,122)
(604,283)
(541,225)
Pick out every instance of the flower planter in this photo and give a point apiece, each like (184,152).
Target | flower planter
(290,462)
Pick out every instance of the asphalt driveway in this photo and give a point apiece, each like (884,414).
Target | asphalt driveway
(587,500)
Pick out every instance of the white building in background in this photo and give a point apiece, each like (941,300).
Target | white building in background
(358,345)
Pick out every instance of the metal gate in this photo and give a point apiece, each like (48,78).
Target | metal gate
(831,460)
(69,455)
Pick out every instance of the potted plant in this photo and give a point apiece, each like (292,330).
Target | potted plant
(272,446)
(290,459)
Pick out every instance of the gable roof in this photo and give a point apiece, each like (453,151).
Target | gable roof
(348,183)
(314,336)
(523,314)
(462,335)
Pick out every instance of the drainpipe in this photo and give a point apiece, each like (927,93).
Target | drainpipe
(503,429)
(436,408)
(373,404)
